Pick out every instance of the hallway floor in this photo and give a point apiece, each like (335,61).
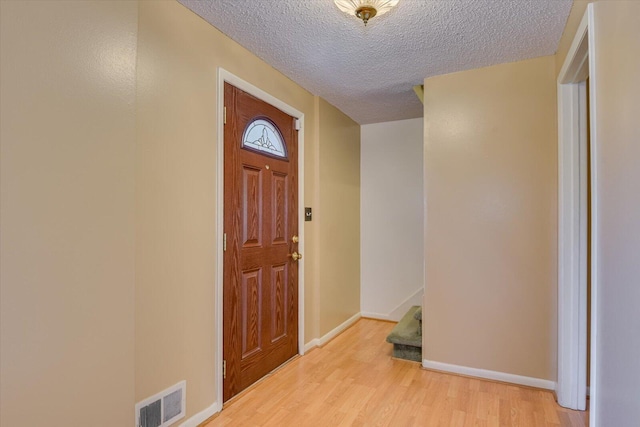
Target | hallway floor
(353,381)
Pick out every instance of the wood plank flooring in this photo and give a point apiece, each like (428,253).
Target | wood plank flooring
(353,381)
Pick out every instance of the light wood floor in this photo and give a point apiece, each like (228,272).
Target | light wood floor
(353,381)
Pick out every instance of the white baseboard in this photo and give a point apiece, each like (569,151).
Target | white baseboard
(202,416)
(319,342)
(489,375)
(397,313)
(311,344)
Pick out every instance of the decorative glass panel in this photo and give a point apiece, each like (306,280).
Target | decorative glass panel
(262,135)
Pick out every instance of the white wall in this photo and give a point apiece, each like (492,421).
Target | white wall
(391,201)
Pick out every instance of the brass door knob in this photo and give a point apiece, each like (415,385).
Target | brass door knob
(296,256)
(295,239)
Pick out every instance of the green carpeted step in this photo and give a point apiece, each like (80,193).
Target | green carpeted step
(406,337)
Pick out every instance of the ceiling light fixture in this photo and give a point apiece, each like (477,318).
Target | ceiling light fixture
(365,9)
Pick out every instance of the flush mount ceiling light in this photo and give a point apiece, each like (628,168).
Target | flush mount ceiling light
(365,9)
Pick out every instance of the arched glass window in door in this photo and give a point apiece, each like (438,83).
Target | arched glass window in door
(263,136)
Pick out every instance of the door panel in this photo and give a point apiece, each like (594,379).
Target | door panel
(260,290)
(251,312)
(278,301)
(252,209)
(279,222)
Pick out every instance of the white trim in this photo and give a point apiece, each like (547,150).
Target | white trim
(319,342)
(225,76)
(202,416)
(581,366)
(576,68)
(572,236)
(311,344)
(595,236)
(425,226)
(489,375)
(397,313)
(572,221)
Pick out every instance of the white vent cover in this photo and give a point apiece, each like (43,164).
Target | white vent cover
(164,408)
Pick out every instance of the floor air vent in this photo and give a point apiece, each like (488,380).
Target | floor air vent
(162,409)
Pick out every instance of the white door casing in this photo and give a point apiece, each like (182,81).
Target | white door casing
(573,137)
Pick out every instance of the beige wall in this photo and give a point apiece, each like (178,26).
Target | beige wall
(490,185)
(175,204)
(67,209)
(338,217)
(109,206)
(179,55)
(616,136)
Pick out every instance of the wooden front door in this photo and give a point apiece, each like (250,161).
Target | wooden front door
(260,291)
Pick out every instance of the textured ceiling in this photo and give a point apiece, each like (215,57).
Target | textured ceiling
(369,72)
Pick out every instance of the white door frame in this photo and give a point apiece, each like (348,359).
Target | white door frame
(225,76)
(572,221)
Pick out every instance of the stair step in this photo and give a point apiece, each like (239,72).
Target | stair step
(406,337)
